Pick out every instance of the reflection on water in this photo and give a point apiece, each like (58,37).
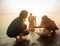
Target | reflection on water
(6,41)
(41,41)
(31,38)
(4,22)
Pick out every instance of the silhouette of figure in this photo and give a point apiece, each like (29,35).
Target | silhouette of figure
(48,24)
(32,21)
(17,26)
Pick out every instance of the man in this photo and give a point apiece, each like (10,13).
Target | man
(17,26)
(32,21)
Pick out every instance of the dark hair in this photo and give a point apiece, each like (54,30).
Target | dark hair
(45,16)
(23,14)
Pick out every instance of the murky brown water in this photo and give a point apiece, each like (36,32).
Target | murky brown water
(31,38)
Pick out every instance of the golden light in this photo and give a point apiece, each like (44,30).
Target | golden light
(36,7)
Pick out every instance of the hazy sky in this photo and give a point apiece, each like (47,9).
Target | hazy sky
(36,7)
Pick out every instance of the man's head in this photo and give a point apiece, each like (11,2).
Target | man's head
(30,14)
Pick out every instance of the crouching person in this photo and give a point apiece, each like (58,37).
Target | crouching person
(18,27)
(48,24)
